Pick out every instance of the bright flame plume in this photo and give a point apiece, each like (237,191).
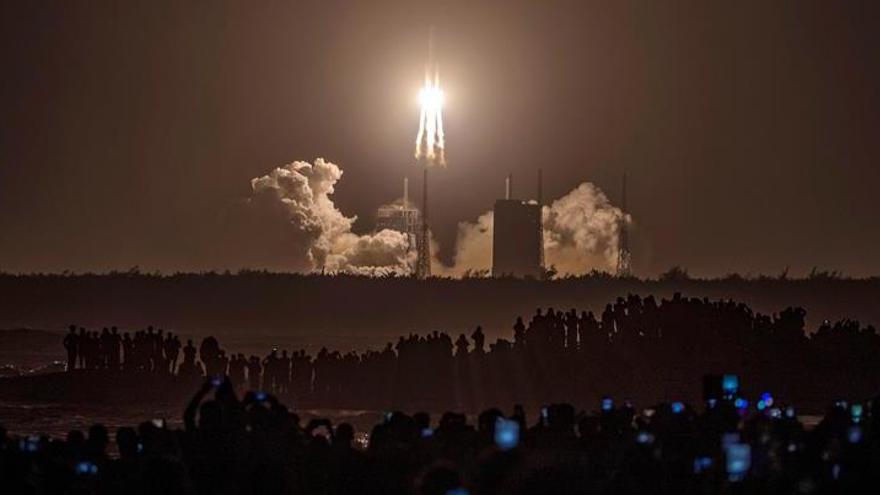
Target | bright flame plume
(429,142)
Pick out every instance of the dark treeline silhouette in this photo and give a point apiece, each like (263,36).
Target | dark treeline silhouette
(256,445)
(638,347)
(370,310)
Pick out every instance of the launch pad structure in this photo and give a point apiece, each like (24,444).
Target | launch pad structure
(401,216)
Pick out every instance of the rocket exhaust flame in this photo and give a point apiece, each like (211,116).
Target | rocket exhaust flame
(430,145)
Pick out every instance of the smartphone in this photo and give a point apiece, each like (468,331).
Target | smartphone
(260,396)
(216,381)
(702,464)
(506,433)
(545,415)
(677,407)
(158,423)
(729,439)
(644,438)
(856,411)
(729,385)
(30,444)
(427,432)
(854,434)
(607,404)
(738,460)
(86,468)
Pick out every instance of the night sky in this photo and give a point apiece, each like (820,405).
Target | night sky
(750,130)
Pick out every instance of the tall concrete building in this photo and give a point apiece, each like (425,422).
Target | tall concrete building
(516,238)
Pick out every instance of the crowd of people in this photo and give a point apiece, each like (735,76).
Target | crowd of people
(644,348)
(239,437)
(147,350)
(256,445)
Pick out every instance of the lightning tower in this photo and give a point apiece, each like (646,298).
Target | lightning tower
(624,256)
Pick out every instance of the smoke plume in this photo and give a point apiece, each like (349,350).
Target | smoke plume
(291,223)
(580,235)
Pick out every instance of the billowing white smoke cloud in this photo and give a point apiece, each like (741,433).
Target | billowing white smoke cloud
(291,223)
(581,231)
(580,235)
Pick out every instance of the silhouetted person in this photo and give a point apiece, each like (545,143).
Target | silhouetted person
(519,333)
(461,346)
(479,340)
(237,368)
(71,345)
(255,370)
(284,370)
(114,349)
(189,367)
(270,371)
(128,357)
(82,347)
